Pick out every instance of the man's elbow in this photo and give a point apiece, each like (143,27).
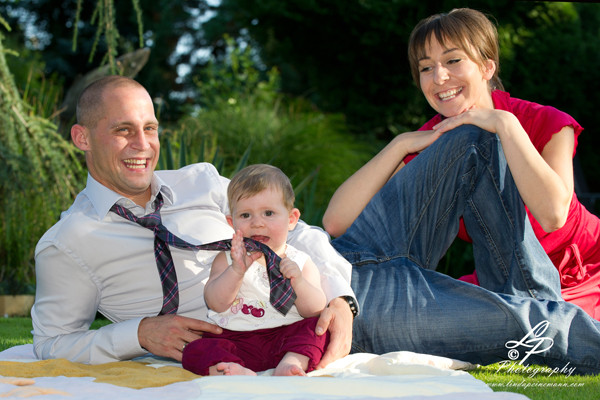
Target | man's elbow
(39,348)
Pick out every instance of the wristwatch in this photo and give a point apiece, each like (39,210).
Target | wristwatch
(352,303)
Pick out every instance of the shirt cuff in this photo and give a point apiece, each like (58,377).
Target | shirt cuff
(127,344)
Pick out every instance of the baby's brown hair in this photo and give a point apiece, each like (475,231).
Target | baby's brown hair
(258,177)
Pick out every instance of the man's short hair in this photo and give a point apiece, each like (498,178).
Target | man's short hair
(90,107)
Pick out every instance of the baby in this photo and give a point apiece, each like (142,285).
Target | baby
(256,336)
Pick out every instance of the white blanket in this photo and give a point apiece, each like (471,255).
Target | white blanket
(398,375)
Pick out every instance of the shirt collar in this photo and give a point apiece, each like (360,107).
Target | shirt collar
(102,198)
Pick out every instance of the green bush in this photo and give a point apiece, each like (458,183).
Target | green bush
(238,110)
(39,171)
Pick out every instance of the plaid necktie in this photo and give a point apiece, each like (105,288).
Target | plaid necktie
(282,295)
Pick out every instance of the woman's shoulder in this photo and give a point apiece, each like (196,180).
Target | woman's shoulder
(539,121)
(529,110)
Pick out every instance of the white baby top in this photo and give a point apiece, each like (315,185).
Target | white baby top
(251,309)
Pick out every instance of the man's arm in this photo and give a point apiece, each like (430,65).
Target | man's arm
(67,301)
(167,335)
(66,304)
(335,270)
(337,318)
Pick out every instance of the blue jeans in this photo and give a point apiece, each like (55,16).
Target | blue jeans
(397,241)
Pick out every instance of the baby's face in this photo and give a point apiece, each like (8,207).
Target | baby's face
(264,218)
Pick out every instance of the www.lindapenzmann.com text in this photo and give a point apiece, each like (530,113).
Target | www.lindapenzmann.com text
(524,383)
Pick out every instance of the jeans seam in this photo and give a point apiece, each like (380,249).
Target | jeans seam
(458,157)
(510,217)
(378,259)
(427,204)
(491,244)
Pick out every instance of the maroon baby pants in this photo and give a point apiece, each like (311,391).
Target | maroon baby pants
(257,350)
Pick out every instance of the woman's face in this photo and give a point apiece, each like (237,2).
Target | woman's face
(453,83)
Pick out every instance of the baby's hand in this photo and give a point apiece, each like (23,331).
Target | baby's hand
(240,259)
(289,269)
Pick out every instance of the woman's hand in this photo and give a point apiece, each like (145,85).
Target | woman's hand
(487,119)
(417,141)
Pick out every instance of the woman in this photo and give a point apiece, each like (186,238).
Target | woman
(454,61)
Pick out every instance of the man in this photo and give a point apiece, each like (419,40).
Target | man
(95,260)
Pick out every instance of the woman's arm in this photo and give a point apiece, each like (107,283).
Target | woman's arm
(545,181)
(355,193)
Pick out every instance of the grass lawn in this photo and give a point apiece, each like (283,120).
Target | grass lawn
(534,383)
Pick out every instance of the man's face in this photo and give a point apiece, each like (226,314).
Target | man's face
(123,148)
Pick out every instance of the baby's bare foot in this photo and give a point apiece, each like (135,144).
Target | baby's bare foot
(289,370)
(230,368)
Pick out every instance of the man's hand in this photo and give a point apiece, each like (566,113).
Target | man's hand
(167,335)
(337,318)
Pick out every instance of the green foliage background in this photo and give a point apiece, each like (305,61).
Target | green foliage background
(244,114)
(39,171)
(241,118)
(350,57)
(314,87)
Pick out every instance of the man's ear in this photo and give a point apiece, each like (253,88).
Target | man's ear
(80,137)
(229,220)
(294,217)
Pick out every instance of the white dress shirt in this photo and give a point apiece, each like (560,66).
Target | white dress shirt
(94,260)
